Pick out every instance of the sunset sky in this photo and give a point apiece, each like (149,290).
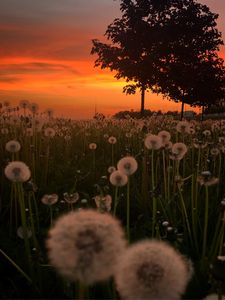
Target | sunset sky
(45,57)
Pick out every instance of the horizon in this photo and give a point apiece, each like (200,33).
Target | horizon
(45,58)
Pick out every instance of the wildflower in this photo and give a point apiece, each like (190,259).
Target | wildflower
(128,134)
(106,136)
(24,104)
(49,199)
(179,150)
(127,165)
(17,171)
(199,144)
(71,198)
(92,146)
(33,107)
(118,178)
(29,132)
(214,151)
(153,142)
(111,169)
(112,140)
(183,126)
(12,146)
(85,245)
(207,179)
(20,232)
(50,132)
(151,270)
(165,136)
(206,132)
(4,131)
(103,203)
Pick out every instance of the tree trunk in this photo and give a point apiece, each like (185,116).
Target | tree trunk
(142,101)
(182,111)
(202,116)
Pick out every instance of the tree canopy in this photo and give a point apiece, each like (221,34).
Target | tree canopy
(165,46)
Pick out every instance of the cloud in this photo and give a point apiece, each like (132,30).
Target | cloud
(9,79)
(35,68)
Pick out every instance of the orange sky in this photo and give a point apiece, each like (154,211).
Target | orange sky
(45,57)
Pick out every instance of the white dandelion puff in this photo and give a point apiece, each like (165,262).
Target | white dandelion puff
(151,270)
(112,140)
(49,132)
(117,178)
(127,165)
(85,245)
(49,199)
(92,146)
(153,142)
(17,171)
(12,146)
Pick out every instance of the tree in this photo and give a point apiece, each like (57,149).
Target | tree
(157,39)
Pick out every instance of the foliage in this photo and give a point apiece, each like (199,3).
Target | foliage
(166,47)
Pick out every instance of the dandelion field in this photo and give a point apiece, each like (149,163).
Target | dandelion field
(162,179)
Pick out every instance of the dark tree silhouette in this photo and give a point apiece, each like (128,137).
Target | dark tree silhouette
(158,45)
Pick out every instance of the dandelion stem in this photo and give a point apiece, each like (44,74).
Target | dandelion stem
(205,222)
(128,209)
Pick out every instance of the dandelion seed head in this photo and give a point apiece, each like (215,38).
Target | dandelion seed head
(111,169)
(85,245)
(112,140)
(13,146)
(49,199)
(92,146)
(17,171)
(21,234)
(49,132)
(153,142)
(118,178)
(165,136)
(151,270)
(127,165)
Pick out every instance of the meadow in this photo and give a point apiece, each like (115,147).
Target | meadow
(163,179)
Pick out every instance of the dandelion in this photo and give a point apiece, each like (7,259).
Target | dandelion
(85,245)
(49,132)
(127,165)
(117,178)
(179,150)
(24,104)
(92,146)
(103,203)
(183,127)
(21,234)
(214,151)
(12,146)
(17,171)
(111,169)
(49,199)
(165,136)
(4,131)
(151,270)
(153,142)
(207,179)
(206,133)
(199,144)
(33,107)
(29,132)
(71,198)
(112,140)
